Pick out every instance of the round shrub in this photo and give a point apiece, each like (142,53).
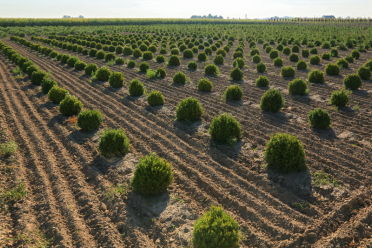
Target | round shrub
(116,79)
(71,61)
(352,82)
(119,61)
(297,87)
(113,142)
(274,54)
(319,118)
(216,229)
(202,57)
(70,105)
(262,81)
(155,98)
(160,59)
(364,73)
(90,69)
(225,129)
(143,67)
(349,59)
(103,74)
(233,93)
(189,109)
(131,64)
(137,53)
(305,53)
(205,85)
(174,61)
(127,51)
(287,71)
(80,65)
(326,56)
(343,63)
(47,84)
(316,76)
(218,60)
(332,70)
(256,59)
(236,74)
(301,65)
(89,120)
(278,62)
(339,98)
(188,54)
(293,57)
(261,67)
(179,78)
(192,66)
(272,101)
(160,73)
(152,175)
(57,94)
(285,153)
(314,60)
(136,88)
(239,62)
(355,54)
(211,70)
(147,55)
(37,77)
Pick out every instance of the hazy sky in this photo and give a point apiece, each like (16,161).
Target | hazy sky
(185,8)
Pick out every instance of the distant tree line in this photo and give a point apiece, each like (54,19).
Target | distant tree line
(210,16)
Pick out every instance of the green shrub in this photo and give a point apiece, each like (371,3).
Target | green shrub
(364,73)
(205,85)
(216,229)
(305,53)
(57,94)
(355,54)
(340,98)
(262,81)
(218,60)
(103,74)
(256,59)
(113,142)
(80,65)
(131,64)
(143,67)
(326,56)
(119,61)
(352,81)
(233,93)
(301,65)
(261,67)
(179,78)
(211,70)
(334,53)
(319,118)
(297,87)
(47,84)
(192,66)
(332,70)
(236,74)
(285,153)
(152,175)
(239,62)
(160,73)
(90,69)
(147,55)
(293,57)
(278,62)
(137,53)
(70,105)
(72,61)
(89,120)
(225,129)
(160,59)
(189,109)
(6,150)
(272,101)
(313,51)
(274,54)
(116,80)
(155,98)
(316,76)
(188,54)
(127,51)
(287,71)
(314,60)
(349,59)
(174,61)
(136,88)
(37,77)
(343,63)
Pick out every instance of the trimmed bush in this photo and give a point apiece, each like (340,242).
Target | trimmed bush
(116,80)
(297,87)
(90,69)
(179,78)
(278,62)
(211,70)
(160,73)
(305,53)
(136,88)
(160,59)
(119,61)
(80,65)
(189,109)
(216,229)
(155,98)
(340,98)
(37,77)
(233,93)
(147,55)
(89,120)
(332,70)
(343,63)
(316,76)
(274,54)
(355,54)
(239,62)
(272,101)
(236,74)
(70,105)
(287,72)
(352,82)
(72,61)
(285,153)
(225,129)
(314,60)
(174,61)
(294,57)
(326,56)
(262,81)
(113,142)
(188,54)
(152,175)
(319,118)
(103,74)
(143,67)
(57,94)
(205,85)
(202,57)
(137,53)
(301,65)
(47,84)
(364,73)
(192,66)
(131,64)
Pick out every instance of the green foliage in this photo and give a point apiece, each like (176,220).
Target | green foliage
(236,74)
(332,70)
(131,64)
(293,57)
(116,79)
(189,109)
(119,61)
(340,98)
(301,65)
(239,62)
(144,67)
(257,59)
(103,74)
(287,72)
(211,70)
(316,76)
(152,175)
(343,63)
(218,60)
(179,78)
(136,88)
(352,81)
(272,101)
(90,69)
(148,55)
(205,85)
(319,118)
(364,73)
(57,94)
(160,59)
(89,120)
(47,84)
(233,93)
(37,77)
(216,229)
(225,129)
(8,148)
(72,61)
(155,98)
(355,54)
(70,105)
(79,65)
(113,142)
(262,81)
(320,178)
(174,61)
(297,87)
(314,60)
(261,67)
(192,66)
(188,54)
(278,62)
(285,153)
(160,73)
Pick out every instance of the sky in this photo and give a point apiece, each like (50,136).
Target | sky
(184,9)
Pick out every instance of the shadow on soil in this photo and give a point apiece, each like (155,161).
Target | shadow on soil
(187,127)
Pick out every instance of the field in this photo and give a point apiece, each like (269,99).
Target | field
(57,190)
